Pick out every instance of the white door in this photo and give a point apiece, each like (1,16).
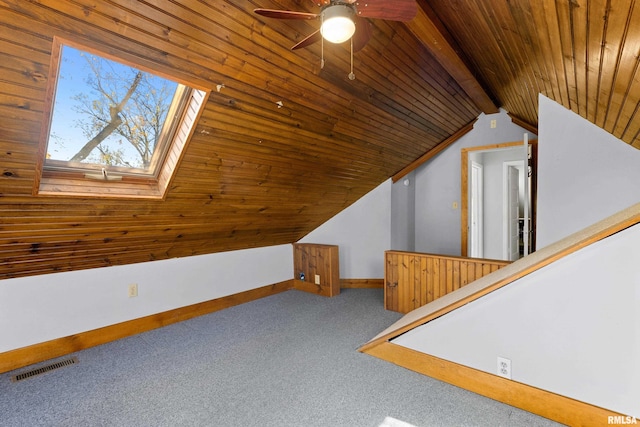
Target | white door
(476,229)
(512,246)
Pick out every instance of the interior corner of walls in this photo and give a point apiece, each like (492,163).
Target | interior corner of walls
(362,232)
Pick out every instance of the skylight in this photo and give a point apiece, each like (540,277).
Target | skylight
(112,121)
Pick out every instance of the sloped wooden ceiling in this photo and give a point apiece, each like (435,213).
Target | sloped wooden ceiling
(255,173)
(583,54)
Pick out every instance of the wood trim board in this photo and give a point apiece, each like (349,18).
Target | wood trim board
(541,402)
(21,357)
(361,283)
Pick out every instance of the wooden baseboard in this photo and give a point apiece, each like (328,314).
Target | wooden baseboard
(546,404)
(21,357)
(361,283)
(312,288)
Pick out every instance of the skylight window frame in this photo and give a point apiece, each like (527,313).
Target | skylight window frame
(59,177)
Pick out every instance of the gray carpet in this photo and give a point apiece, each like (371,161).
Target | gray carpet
(287,360)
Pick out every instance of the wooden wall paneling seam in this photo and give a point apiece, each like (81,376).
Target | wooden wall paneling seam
(20,40)
(385,122)
(424,106)
(596,52)
(524,67)
(580,32)
(626,64)
(78,29)
(626,125)
(438,87)
(524,16)
(509,74)
(271,129)
(391,282)
(545,22)
(390,90)
(453,106)
(607,61)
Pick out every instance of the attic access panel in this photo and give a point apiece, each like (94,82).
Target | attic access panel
(113,128)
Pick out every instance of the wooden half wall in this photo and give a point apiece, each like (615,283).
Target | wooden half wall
(415,279)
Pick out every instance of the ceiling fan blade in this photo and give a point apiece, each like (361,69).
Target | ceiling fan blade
(309,40)
(397,10)
(285,14)
(362,35)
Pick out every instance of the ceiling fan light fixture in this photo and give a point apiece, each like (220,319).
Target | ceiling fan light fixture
(338,23)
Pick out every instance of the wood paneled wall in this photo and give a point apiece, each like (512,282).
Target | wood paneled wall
(415,279)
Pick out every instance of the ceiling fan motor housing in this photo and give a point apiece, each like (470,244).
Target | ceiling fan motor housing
(338,23)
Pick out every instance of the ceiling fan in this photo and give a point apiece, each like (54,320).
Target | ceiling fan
(343,20)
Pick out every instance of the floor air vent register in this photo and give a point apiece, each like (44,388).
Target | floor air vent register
(44,369)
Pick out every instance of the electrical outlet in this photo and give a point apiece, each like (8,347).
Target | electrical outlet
(504,367)
(133,290)
(494,124)
(317,279)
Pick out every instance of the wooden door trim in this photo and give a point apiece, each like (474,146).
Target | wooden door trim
(464,184)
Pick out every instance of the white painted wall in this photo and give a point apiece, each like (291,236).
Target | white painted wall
(572,328)
(362,232)
(437,227)
(584,173)
(418,217)
(403,214)
(41,308)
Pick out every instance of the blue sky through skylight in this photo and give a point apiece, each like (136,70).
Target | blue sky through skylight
(77,77)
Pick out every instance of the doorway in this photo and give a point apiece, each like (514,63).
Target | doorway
(476,209)
(498,201)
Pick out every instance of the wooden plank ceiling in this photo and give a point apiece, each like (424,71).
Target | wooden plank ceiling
(584,54)
(258,174)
